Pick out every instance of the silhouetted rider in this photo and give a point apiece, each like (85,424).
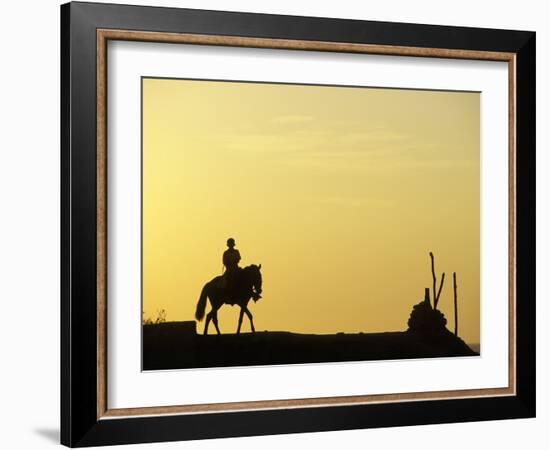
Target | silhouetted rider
(231,258)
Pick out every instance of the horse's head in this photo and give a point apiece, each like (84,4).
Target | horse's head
(256,279)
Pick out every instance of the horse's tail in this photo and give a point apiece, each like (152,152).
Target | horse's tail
(201,305)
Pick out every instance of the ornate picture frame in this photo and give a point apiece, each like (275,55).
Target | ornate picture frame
(86,418)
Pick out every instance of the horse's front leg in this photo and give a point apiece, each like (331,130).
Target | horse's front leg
(249,314)
(240,321)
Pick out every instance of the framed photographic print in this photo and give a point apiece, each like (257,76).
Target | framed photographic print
(278,224)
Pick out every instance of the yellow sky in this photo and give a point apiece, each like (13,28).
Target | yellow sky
(339,193)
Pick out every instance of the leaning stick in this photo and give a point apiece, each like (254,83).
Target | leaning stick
(433,278)
(439,292)
(456,304)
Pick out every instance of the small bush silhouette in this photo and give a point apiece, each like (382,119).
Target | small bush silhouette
(161,318)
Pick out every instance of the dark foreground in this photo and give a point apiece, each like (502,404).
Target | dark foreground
(175,345)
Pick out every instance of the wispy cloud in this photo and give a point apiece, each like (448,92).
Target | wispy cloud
(361,151)
(316,140)
(372,137)
(292,119)
(354,202)
(272,142)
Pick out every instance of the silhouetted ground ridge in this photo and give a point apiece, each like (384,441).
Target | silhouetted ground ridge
(175,345)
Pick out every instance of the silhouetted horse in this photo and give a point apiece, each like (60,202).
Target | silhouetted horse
(247,284)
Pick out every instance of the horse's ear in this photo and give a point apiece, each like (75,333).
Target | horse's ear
(260,266)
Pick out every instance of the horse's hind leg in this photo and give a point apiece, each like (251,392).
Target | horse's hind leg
(215,320)
(208,319)
(240,321)
(249,314)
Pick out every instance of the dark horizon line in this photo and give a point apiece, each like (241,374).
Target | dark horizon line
(293,332)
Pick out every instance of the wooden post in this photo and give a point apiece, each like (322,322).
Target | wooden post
(427,296)
(456,304)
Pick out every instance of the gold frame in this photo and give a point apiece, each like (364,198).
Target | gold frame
(103,36)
